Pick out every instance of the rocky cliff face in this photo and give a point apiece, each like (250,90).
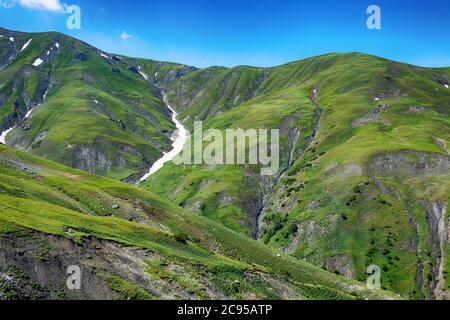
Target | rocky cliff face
(34,266)
(439,224)
(408,166)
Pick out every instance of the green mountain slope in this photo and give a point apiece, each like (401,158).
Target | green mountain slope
(334,202)
(131,244)
(90,110)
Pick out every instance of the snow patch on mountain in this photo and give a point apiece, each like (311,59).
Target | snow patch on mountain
(26,45)
(4,134)
(179,138)
(38,62)
(142,74)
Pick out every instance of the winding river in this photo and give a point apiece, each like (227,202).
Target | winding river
(179,138)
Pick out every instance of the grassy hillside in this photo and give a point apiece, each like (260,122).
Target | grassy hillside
(132,244)
(331,203)
(90,109)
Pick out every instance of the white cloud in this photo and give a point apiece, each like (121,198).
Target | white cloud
(125,36)
(47,5)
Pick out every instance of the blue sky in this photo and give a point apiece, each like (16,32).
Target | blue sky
(253,32)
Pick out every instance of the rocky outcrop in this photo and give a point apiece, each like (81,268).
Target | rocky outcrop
(80,56)
(34,266)
(439,226)
(94,158)
(419,165)
(8,51)
(133,69)
(91,159)
(415,110)
(342,265)
(411,163)
(373,116)
(442,144)
(172,75)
